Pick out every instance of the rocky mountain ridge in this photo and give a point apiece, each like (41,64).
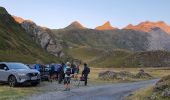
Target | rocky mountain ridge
(77,35)
(105,26)
(147,26)
(42,36)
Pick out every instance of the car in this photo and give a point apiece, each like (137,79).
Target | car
(18,73)
(45,72)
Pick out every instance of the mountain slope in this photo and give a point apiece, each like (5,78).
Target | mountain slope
(121,58)
(148,26)
(17,45)
(116,39)
(117,48)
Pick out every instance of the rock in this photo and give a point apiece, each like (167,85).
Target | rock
(107,75)
(153,97)
(115,75)
(166,93)
(142,74)
(123,75)
(44,37)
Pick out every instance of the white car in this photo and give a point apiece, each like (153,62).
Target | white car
(18,73)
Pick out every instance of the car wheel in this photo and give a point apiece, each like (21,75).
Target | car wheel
(12,81)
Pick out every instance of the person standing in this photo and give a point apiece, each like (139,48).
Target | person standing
(67,79)
(51,72)
(85,73)
(61,73)
(78,68)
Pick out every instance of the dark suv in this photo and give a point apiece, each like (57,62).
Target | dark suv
(17,73)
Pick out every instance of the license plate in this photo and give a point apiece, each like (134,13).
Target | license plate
(34,78)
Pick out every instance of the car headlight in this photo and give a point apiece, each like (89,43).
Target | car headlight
(22,74)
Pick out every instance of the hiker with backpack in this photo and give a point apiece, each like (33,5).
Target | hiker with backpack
(61,73)
(57,69)
(73,67)
(85,73)
(67,79)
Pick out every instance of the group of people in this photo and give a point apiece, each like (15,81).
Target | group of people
(66,71)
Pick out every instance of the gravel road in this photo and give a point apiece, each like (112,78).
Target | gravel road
(104,92)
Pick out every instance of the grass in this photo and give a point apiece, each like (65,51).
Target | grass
(144,94)
(110,59)
(84,53)
(7,93)
(141,94)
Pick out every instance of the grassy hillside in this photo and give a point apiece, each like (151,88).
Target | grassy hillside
(85,54)
(111,58)
(115,39)
(120,58)
(148,59)
(17,45)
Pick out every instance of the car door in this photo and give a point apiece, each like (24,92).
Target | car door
(3,73)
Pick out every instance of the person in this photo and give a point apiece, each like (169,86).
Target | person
(51,72)
(67,79)
(57,68)
(78,68)
(73,68)
(85,73)
(61,73)
(76,71)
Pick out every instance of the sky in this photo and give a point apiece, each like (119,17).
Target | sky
(90,13)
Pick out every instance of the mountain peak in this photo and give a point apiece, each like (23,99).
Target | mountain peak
(147,26)
(18,19)
(21,20)
(129,26)
(3,10)
(75,25)
(107,23)
(105,26)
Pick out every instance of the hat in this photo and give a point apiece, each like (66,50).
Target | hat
(68,63)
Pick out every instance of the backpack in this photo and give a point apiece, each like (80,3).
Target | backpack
(68,71)
(88,70)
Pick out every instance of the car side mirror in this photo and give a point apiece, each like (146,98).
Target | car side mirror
(5,68)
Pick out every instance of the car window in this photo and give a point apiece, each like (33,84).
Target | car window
(2,66)
(17,66)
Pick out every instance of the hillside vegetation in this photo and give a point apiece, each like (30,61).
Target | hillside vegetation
(17,45)
(115,39)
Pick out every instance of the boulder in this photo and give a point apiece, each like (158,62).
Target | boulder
(142,74)
(122,75)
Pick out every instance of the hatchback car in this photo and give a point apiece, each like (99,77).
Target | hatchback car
(18,73)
